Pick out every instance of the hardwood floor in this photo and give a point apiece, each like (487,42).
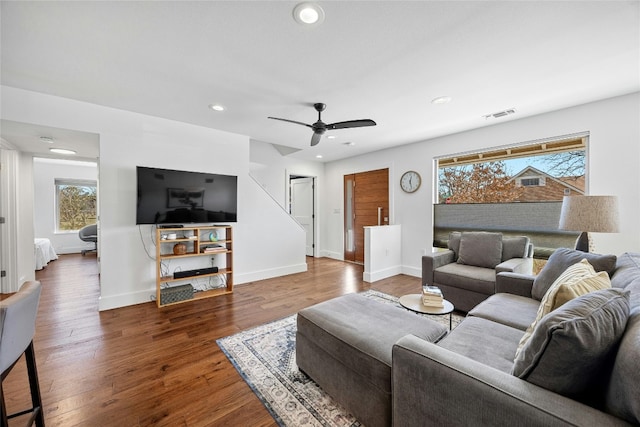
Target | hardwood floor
(142,366)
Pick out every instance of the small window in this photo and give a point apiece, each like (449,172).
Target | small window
(530,182)
(75,204)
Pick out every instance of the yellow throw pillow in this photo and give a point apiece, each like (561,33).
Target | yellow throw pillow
(568,291)
(578,279)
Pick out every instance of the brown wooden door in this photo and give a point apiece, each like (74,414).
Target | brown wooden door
(364,194)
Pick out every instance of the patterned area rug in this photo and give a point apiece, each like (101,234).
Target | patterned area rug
(265,357)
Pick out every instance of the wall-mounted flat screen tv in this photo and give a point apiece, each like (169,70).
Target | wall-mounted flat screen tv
(168,196)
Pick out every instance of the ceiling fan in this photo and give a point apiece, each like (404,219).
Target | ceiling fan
(320,127)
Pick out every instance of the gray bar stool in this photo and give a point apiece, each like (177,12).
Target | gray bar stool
(17,328)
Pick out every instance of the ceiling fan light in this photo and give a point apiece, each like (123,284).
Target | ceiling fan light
(308,14)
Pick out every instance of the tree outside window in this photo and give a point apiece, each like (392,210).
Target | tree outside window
(493,181)
(76,204)
(478,183)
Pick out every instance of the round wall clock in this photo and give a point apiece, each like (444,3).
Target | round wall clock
(410,181)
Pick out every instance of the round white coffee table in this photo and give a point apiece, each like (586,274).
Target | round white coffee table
(413,302)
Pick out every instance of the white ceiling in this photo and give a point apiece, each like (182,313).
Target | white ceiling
(381,60)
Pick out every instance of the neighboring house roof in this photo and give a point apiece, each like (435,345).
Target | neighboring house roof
(575,181)
(551,188)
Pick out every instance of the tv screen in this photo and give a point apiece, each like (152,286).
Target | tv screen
(176,197)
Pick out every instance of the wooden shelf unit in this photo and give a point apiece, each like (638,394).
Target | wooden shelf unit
(197,239)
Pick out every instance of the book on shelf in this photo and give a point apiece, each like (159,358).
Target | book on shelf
(213,250)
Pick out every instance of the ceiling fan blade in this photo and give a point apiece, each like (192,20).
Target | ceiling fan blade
(315,138)
(291,121)
(351,124)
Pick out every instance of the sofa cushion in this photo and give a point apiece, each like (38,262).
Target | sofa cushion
(495,349)
(469,277)
(578,279)
(512,310)
(454,242)
(360,332)
(514,247)
(480,249)
(568,348)
(623,387)
(627,270)
(560,260)
(623,392)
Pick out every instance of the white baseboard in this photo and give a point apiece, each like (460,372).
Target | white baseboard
(123,300)
(139,297)
(412,271)
(268,274)
(333,255)
(374,276)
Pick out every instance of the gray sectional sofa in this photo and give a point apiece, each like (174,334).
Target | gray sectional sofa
(581,365)
(466,272)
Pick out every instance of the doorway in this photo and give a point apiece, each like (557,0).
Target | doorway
(366,203)
(301,207)
(23,186)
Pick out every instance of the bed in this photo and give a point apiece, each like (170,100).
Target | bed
(44,252)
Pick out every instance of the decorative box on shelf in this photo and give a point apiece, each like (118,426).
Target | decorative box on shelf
(176,293)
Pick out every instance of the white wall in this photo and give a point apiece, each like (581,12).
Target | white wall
(129,139)
(272,171)
(16,245)
(614,155)
(45,172)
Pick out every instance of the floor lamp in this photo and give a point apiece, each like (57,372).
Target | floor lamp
(598,214)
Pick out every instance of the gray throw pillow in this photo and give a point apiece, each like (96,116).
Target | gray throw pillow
(569,347)
(564,258)
(480,248)
(514,247)
(454,242)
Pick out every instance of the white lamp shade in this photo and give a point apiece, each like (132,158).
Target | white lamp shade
(597,214)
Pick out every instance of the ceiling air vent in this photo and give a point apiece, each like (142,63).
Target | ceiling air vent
(500,114)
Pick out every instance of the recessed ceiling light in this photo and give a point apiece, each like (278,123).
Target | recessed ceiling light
(318,156)
(441,100)
(331,137)
(216,107)
(61,151)
(46,139)
(308,14)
